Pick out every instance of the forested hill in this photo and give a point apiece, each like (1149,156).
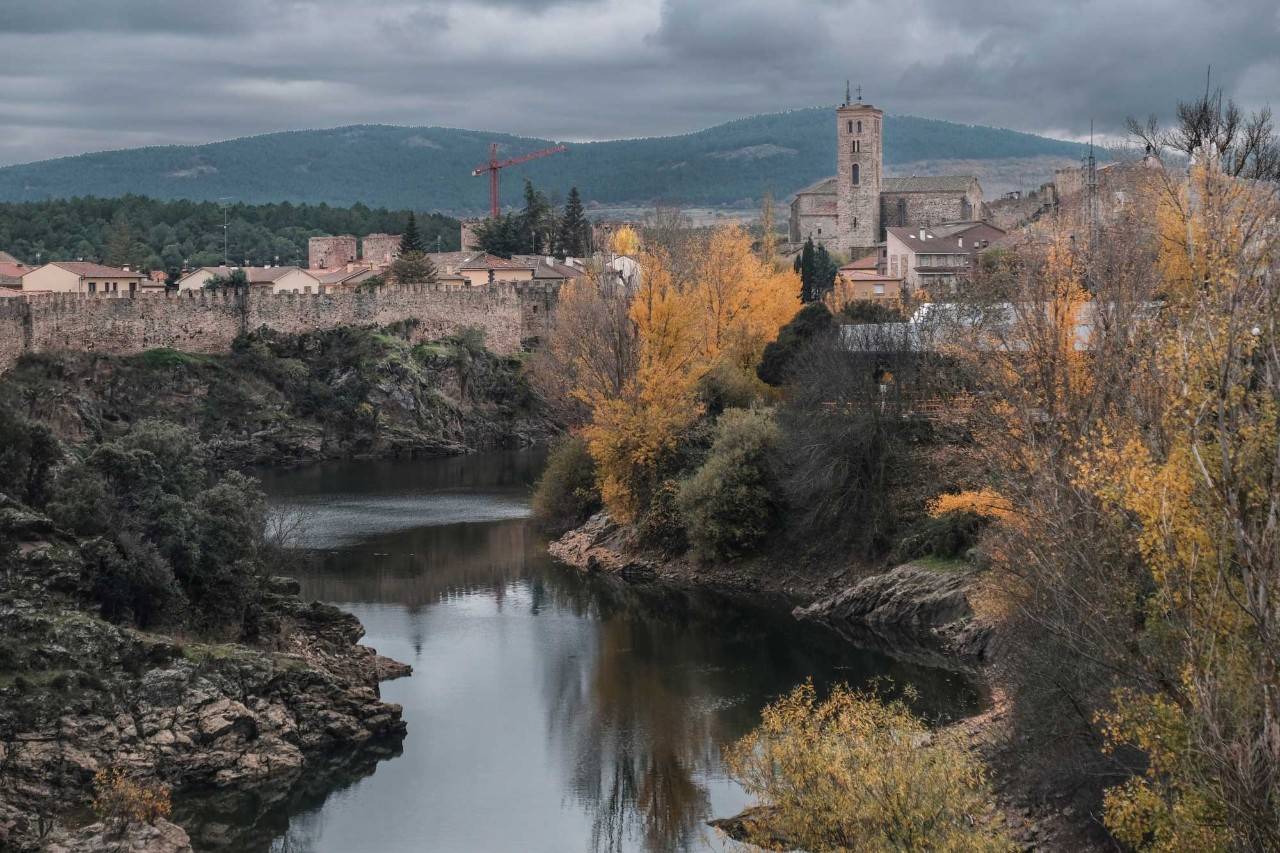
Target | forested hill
(169,235)
(430,167)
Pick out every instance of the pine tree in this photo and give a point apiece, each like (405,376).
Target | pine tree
(411,240)
(119,248)
(537,222)
(413,268)
(575,231)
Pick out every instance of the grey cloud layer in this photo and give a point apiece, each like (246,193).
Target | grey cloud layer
(80,75)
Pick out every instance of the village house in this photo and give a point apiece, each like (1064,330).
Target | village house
(11,273)
(348,276)
(278,279)
(862,280)
(932,261)
(83,277)
(547,270)
(478,269)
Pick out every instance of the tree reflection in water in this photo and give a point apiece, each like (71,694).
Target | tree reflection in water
(639,688)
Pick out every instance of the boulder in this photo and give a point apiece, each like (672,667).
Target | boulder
(913,611)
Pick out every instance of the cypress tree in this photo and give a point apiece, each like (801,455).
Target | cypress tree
(824,274)
(808,273)
(574,229)
(411,240)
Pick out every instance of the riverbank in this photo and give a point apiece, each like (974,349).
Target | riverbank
(920,611)
(928,612)
(81,694)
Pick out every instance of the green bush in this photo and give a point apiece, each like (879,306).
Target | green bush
(174,542)
(867,311)
(730,504)
(810,322)
(566,494)
(662,525)
(28,451)
(727,386)
(947,536)
(132,582)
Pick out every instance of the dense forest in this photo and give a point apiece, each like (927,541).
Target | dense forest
(430,167)
(168,235)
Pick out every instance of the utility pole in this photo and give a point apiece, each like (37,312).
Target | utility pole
(223,201)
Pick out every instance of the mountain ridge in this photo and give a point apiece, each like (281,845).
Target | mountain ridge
(429,167)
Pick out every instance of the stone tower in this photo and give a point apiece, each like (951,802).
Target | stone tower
(859,170)
(330,252)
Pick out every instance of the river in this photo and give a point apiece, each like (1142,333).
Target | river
(547,711)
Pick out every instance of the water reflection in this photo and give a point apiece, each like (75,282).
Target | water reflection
(548,711)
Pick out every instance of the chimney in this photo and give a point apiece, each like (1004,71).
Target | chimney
(922,232)
(960,242)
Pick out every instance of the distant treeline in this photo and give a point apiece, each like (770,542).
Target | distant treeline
(150,234)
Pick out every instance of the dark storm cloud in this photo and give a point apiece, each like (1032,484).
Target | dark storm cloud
(82,75)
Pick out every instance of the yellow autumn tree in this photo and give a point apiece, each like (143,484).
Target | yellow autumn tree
(720,305)
(625,241)
(633,433)
(1201,493)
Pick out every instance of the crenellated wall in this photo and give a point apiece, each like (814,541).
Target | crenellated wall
(208,321)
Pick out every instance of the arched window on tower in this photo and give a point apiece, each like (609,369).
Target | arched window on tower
(857,146)
(966,210)
(856,175)
(859,125)
(902,212)
(851,125)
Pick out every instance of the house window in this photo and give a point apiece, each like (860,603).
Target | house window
(93,287)
(857,178)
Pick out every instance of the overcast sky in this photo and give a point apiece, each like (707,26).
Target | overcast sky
(83,75)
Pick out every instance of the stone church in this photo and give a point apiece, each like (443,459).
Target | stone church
(849,212)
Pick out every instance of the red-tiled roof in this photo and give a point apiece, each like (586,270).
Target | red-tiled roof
(870,262)
(484,261)
(14,269)
(86,269)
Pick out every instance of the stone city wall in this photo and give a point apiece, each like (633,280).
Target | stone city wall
(511,314)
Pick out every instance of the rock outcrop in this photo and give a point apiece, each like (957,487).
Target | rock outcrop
(913,611)
(79,694)
(160,837)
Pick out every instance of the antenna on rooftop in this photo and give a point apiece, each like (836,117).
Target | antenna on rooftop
(848,94)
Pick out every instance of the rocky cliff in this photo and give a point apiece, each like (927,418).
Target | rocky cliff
(79,694)
(289,399)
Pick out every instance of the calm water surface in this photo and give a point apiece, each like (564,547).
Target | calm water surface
(547,711)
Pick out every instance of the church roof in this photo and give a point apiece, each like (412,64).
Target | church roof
(826,186)
(929,184)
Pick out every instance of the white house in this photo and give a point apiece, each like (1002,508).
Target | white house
(83,277)
(279,279)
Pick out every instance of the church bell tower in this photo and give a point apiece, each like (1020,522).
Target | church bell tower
(859,167)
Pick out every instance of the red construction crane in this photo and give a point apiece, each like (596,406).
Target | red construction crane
(495,164)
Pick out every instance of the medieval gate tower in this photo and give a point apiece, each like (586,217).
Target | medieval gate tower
(859,169)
